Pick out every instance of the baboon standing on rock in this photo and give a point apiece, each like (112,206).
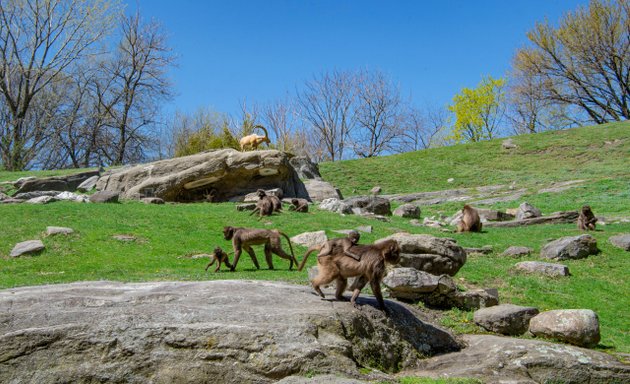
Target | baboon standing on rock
(369,268)
(244,238)
(586,219)
(470,220)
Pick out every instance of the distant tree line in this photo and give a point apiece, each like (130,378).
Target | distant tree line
(76,93)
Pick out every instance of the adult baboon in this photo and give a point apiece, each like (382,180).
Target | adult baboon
(470,220)
(254,140)
(340,244)
(370,268)
(244,238)
(219,256)
(299,205)
(267,204)
(586,219)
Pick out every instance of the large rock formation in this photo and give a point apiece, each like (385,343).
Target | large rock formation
(219,175)
(201,332)
(68,183)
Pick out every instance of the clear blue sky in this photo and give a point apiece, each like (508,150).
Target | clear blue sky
(259,51)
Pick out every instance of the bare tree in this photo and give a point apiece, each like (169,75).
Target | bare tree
(378,114)
(422,127)
(135,81)
(39,41)
(282,119)
(585,62)
(326,106)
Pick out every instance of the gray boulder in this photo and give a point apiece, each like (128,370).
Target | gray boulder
(369,204)
(431,254)
(318,190)
(152,200)
(621,241)
(34,194)
(27,247)
(574,326)
(305,168)
(224,174)
(56,183)
(508,144)
(527,211)
(105,197)
(570,247)
(507,319)
(51,231)
(69,196)
(335,205)
(493,215)
(41,200)
(408,210)
(88,185)
(496,359)
(199,332)
(516,251)
(309,239)
(246,207)
(539,267)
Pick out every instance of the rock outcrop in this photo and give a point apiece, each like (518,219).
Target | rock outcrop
(570,247)
(194,332)
(56,183)
(224,175)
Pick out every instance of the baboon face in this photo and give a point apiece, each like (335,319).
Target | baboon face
(392,252)
(354,237)
(228,232)
(587,209)
(261,193)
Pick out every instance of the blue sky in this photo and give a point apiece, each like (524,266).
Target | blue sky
(260,51)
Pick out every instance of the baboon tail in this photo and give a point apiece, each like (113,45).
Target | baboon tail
(293,259)
(310,250)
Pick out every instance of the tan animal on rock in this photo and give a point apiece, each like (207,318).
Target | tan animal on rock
(370,268)
(254,140)
(244,238)
(470,220)
(340,244)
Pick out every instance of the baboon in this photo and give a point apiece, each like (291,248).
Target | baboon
(267,204)
(586,219)
(470,220)
(299,205)
(370,268)
(340,244)
(244,238)
(219,256)
(254,140)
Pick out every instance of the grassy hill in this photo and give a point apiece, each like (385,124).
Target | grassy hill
(168,235)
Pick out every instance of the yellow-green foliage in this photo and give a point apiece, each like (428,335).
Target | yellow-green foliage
(477,110)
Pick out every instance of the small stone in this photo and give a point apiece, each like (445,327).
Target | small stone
(516,251)
(450,180)
(375,191)
(548,269)
(506,319)
(365,228)
(51,231)
(621,241)
(125,238)
(27,247)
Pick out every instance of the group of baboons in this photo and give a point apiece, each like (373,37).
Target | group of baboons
(340,258)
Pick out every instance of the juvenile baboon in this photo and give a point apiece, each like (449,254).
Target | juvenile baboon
(340,244)
(219,256)
(370,268)
(254,140)
(244,238)
(586,219)
(470,220)
(299,205)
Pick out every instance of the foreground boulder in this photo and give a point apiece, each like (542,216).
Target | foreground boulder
(214,331)
(435,255)
(573,326)
(570,247)
(219,175)
(496,359)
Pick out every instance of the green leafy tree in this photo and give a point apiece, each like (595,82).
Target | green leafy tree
(478,111)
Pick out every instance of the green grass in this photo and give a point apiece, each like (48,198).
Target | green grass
(169,234)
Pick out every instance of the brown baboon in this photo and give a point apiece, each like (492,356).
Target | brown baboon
(586,219)
(219,256)
(470,220)
(267,204)
(340,244)
(370,268)
(299,205)
(244,238)
(255,140)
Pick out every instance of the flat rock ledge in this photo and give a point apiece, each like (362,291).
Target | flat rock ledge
(193,332)
(496,359)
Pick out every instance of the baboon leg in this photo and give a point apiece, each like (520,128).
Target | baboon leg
(356,288)
(237,255)
(268,256)
(376,290)
(208,266)
(218,267)
(280,252)
(252,255)
(342,283)
(322,279)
